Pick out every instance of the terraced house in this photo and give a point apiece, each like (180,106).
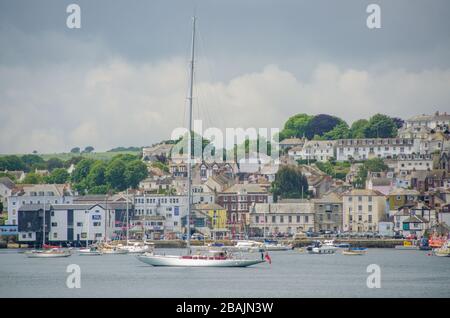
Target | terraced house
(363,209)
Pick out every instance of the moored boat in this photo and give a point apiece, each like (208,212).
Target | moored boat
(318,248)
(443,251)
(49,253)
(355,251)
(210,259)
(271,245)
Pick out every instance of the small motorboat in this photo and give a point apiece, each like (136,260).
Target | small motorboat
(271,245)
(318,248)
(355,251)
(48,253)
(111,249)
(137,248)
(249,246)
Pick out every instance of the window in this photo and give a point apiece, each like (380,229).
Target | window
(306,219)
(273,219)
(80,224)
(54,224)
(370,208)
(370,219)
(55,235)
(281,219)
(298,218)
(359,218)
(98,235)
(290,218)
(52,213)
(96,224)
(257,219)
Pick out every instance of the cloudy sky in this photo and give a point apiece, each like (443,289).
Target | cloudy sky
(122,79)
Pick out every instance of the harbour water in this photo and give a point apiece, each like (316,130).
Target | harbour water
(291,274)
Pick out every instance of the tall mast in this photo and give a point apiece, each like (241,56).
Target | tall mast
(127,217)
(191,90)
(43,225)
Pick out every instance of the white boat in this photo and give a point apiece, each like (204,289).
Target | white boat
(249,246)
(270,245)
(211,259)
(51,253)
(443,251)
(137,248)
(222,259)
(355,251)
(319,248)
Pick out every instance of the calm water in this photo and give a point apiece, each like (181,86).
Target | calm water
(403,274)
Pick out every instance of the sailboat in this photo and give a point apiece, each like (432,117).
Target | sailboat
(211,258)
(135,247)
(53,252)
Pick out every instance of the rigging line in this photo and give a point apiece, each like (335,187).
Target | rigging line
(211,79)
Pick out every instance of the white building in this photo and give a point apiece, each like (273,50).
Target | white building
(408,163)
(363,210)
(6,188)
(319,150)
(362,149)
(430,121)
(78,222)
(37,194)
(282,217)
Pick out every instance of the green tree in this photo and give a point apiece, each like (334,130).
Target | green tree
(321,124)
(12,163)
(96,176)
(135,172)
(88,149)
(82,170)
(295,126)
(58,176)
(358,128)
(33,178)
(100,189)
(380,126)
(32,162)
(54,163)
(340,131)
(75,150)
(371,165)
(115,174)
(289,183)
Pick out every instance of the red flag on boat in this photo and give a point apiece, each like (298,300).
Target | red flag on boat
(268,259)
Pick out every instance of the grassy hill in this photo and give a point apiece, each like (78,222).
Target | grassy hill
(94,155)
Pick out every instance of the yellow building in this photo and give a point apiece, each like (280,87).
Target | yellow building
(217,216)
(400,197)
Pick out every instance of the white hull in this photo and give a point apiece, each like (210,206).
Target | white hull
(112,252)
(47,255)
(132,249)
(323,250)
(274,248)
(178,261)
(90,253)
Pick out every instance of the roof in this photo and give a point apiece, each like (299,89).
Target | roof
(7,182)
(75,206)
(292,141)
(34,207)
(402,191)
(330,197)
(249,188)
(381,181)
(208,206)
(285,207)
(369,192)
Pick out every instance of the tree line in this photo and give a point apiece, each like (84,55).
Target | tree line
(327,127)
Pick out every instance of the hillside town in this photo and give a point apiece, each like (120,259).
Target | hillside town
(363,187)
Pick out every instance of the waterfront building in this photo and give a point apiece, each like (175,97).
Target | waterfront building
(363,209)
(328,213)
(414,162)
(36,195)
(290,143)
(6,188)
(238,200)
(282,217)
(399,197)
